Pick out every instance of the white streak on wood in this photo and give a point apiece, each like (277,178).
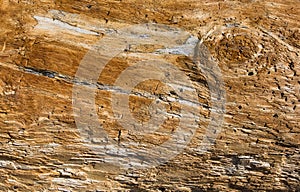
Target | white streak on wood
(53,24)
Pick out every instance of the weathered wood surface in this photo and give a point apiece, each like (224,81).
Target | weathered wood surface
(256,45)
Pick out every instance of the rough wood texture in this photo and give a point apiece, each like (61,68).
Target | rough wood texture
(255,43)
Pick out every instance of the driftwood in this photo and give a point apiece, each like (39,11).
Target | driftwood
(79,110)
